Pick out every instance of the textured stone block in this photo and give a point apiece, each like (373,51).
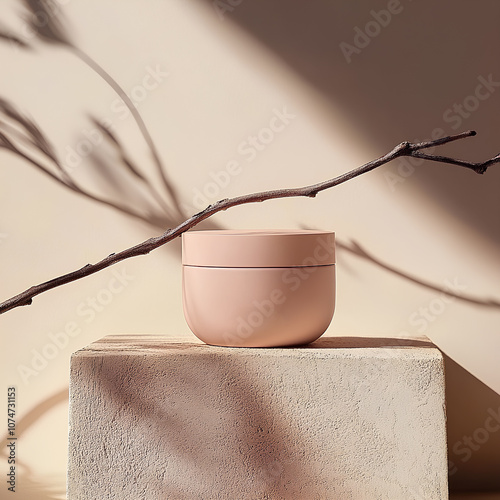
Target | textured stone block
(152,417)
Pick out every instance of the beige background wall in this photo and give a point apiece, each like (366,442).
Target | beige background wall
(217,78)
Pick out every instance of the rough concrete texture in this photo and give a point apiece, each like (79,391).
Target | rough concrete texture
(343,418)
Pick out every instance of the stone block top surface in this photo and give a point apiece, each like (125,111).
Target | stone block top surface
(331,347)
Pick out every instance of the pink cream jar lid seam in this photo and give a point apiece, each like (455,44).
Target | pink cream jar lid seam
(257,248)
(258,288)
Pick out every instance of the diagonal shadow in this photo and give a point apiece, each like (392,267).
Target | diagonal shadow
(398,77)
(356,249)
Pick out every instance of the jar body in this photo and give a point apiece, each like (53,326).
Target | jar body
(258,307)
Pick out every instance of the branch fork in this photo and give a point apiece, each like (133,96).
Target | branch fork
(403,149)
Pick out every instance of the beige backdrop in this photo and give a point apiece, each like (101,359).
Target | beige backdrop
(241,96)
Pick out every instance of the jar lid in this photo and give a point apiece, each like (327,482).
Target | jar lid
(258,248)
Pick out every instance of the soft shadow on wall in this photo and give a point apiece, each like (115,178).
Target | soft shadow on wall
(473,424)
(398,70)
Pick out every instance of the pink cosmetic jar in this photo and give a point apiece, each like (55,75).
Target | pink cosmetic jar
(258,288)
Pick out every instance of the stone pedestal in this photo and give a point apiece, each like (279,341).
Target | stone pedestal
(153,417)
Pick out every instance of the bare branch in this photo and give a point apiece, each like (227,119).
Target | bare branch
(403,149)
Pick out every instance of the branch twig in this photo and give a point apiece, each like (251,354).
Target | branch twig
(403,149)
